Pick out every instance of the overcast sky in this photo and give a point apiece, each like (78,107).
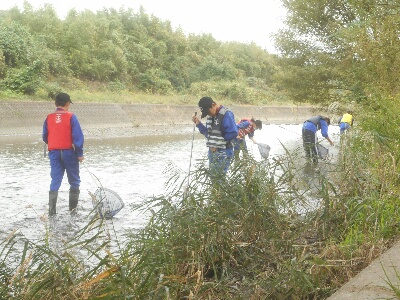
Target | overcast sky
(235,20)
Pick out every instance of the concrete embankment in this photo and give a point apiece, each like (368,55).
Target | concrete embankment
(374,281)
(101,120)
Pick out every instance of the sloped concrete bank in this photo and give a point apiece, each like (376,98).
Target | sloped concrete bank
(118,120)
(374,281)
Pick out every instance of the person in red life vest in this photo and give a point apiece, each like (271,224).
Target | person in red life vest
(245,127)
(63,135)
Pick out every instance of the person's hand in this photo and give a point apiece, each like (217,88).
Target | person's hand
(195,120)
(330,141)
(81,158)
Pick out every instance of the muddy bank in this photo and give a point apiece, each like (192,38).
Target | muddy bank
(22,120)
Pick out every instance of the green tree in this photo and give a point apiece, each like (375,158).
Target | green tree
(125,49)
(3,66)
(342,49)
(15,43)
(25,80)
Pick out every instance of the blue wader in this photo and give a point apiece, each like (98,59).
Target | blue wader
(220,160)
(61,161)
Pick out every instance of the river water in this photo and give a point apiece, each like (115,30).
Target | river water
(133,167)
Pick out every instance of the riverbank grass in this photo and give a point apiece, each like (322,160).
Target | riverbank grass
(101,95)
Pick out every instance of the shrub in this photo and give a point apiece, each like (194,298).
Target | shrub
(25,80)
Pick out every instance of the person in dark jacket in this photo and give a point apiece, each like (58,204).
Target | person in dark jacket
(220,129)
(63,135)
(309,134)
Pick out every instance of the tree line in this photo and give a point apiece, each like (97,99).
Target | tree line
(124,50)
(342,50)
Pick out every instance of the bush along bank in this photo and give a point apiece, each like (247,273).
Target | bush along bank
(266,232)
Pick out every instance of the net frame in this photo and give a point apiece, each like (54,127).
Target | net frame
(322,151)
(264,150)
(107,202)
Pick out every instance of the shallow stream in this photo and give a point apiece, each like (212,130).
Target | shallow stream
(133,167)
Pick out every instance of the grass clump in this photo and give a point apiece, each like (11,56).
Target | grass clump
(224,241)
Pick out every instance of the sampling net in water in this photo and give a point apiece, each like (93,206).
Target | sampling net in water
(264,150)
(322,151)
(107,202)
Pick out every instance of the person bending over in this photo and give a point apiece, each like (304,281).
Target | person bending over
(309,135)
(245,127)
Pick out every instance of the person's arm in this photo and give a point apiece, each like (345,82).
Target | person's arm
(203,129)
(243,124)
(329,140)
(324,131)
(229,127)
(77,137)
(45,132)
(200,126)
(251,137)
(253,140)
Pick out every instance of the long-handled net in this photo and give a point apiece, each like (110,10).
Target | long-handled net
(107,202)
(323,152)
(264,150)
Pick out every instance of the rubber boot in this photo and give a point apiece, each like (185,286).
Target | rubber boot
(53,202)
(73,199)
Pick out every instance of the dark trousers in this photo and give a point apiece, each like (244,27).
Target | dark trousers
(309,145)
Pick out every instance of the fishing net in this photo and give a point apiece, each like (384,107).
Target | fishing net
(264,150)
(107,202)
(322,151)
